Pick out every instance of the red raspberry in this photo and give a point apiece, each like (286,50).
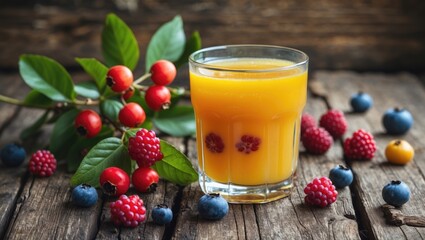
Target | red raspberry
(42,163)
(320,192)
(316,140)
(128,211)
(334,122)
(214,143)
(361,146)
(145,148)
(307,121)
(248,144)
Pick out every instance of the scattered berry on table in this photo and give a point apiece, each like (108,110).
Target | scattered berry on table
(84,195)
(163,72)
(119,78)
(42,163)
(248,144)
(399,152)
(128,211)
(145,179)
(88,123)
(316,140)
(307,121)
(361,102)
(132,115)
(158,97)
(212,206)
(334,122)
(397,121)
(214,143)
(145,148)
(162,214)
(114,181)
(361,146)
(341,176)
(12,155)
(396,193)
(320,192)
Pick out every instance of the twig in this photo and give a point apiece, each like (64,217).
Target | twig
(395,217)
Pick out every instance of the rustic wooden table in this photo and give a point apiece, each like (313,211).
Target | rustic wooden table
(40,208)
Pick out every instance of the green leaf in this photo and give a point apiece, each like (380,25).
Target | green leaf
(96,70)
(74,157)
(178,121)
(35,97)
(47,76)
(167,43)
(192,44)
(64,134)
(35,127)
(111,108)
(87,89)
(175,166)
(119,45)
(107,153)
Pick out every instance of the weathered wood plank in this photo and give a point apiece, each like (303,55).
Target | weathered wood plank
(403,90)
(288,218)
(355,35)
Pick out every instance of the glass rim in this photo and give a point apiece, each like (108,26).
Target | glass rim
(212,67)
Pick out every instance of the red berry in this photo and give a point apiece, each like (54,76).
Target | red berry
(132,115)
(119,78)
(307,121)
(320,192)
(145,179)
(248,144)
(158,97)
(334,122)
(114,181)
(361,146)
(214,143)
(128,211)
(88,123)
(316,140)
(163,72)
(128,94)
(42,163)
(145,148)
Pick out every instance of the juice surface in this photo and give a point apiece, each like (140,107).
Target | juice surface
(248,123)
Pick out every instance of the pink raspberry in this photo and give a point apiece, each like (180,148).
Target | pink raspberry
(145,148)
(334,122)
(320,192)
(128,211)
(361,146)
(42,163)
(248,144)
(307,121)
(316,140)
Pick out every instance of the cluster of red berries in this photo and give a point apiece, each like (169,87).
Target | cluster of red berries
(120,79)
(333,125)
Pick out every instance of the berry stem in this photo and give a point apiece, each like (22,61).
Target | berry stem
(14,101)
(115,125)
(142,78)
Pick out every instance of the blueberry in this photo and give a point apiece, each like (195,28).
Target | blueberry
(161,214)
(84,195)
(212,206)
(397,121)
(361,102)
(12,155)
(341,176)
(396,193)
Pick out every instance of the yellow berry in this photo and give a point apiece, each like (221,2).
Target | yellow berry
(399,152)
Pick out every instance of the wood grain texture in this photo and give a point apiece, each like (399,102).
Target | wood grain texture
(403,90)
(355,35)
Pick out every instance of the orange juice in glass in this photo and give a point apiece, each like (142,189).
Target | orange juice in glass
(248,101)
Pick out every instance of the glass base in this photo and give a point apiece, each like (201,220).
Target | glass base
(247,194)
